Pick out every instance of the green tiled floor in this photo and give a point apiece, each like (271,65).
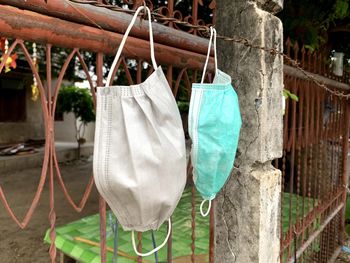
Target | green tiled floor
(294,201)
(88,228)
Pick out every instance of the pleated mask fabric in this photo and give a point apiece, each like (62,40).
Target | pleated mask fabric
(214,127)
(139,156)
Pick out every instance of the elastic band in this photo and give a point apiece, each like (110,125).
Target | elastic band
(212,35)
(122,43)
(201,207)
(153,250)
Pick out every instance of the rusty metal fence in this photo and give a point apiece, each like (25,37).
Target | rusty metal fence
(316,128)
(316,136)
(77,28)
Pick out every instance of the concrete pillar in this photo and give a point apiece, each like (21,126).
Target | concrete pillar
(247,212)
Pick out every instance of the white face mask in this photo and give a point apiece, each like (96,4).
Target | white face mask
(139,154)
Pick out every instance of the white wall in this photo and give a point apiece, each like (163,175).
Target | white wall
(65,130)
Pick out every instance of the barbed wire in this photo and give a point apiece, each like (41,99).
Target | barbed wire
(204,30)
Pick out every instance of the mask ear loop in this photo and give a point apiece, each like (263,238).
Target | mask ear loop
(153,250)
(201,207)
(122,43)
(211,39)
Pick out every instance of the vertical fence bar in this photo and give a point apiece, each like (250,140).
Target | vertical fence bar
(306,150)
(138,81)
(170,247)
(169,76)
(298,146)
(139,246)
(171,11)
(345,168)
(193,223)
(195,15)
(211,232)
(292,162)
(103,245)
(102,202)
(52,213)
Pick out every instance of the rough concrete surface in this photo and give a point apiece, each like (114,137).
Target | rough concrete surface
(247,211)
(257,77)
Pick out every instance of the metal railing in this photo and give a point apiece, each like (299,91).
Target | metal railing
(316,128)
(314,172)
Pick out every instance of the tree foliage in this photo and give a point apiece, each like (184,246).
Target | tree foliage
(309,21)
(78,101)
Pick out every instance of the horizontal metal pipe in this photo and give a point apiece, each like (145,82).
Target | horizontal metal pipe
(31,26)
(329,82)
(113,21)
(318,210)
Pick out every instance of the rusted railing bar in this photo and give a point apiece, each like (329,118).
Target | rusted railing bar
(170,247)
(319,209)
(103,242)
(195,14)
(139,246)
(345,168)
(212,233)
(299,142)
(329,82)
(102,202)
(332,146)
(193,224)
(317,233)
(18,23)
(171,11)
(292,158)
(112,21)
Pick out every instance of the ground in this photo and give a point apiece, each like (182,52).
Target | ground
(27,245)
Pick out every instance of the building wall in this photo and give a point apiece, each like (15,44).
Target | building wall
(65,130)
(31,128)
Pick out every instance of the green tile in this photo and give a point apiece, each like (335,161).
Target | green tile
(88,228)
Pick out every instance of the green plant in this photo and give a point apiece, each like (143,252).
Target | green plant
(183,106)
(287,94)
(79,102)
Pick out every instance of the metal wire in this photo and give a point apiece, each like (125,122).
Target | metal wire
(205,31)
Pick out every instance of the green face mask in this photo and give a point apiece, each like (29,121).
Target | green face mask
(214,126)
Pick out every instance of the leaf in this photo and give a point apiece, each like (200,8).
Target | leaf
(294,97)
(200,2)
(309,47)
(286,93)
